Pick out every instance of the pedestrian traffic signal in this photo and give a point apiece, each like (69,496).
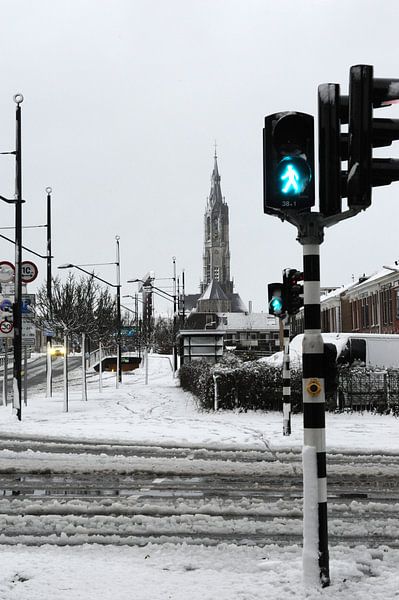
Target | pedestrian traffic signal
(364,171)
(293,290)
(288,162)
(276,299)
(333,148)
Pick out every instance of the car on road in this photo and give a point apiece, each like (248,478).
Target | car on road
(57,350)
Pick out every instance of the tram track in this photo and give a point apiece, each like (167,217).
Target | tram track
(136,508)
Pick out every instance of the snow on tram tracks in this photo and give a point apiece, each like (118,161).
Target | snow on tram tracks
(150,494)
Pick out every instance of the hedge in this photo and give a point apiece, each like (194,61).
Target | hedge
(258,386)
(247,386)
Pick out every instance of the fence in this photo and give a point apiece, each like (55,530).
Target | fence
(365,389)
(94,357)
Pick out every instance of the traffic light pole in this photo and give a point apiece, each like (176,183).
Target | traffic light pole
(288,168)
(314,471)
(286,377)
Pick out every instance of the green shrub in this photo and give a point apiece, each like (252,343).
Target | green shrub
(246,386)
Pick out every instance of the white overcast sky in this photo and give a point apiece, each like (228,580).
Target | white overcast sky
(124,100)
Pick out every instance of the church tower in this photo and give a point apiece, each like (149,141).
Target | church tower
(216,256)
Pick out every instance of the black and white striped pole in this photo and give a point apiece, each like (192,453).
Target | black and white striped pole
(289,194)
(314,452)
(286,377)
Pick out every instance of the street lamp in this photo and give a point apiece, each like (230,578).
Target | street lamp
(17,309)
(118,300)
(166,296)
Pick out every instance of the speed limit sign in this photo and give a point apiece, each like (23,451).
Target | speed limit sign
(29,271)
(6,327)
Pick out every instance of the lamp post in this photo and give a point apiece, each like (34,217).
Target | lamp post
(118,302)
(18,99)
(17,308)
(166,296)
(118,308)
(49,295)
(174,316)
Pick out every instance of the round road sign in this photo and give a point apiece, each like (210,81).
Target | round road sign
(7,271)
(6,326)
(28,271)
(6,305)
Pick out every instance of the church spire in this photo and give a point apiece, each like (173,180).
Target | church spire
(216,192)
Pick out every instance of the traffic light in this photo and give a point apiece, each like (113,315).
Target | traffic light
(276,299)
(293,290)
(288,162)
(333,147)
(366,133)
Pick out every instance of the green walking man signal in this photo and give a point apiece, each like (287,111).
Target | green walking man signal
(288,143)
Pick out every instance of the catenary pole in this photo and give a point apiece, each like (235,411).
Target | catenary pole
(174,318)
(5,378)
(49,386)
(100,367)
(118,308)
(17,379)
(66,391)
(84,383)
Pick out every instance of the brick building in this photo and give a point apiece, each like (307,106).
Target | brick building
(369,305)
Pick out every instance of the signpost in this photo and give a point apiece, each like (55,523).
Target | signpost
(6,327)
(7,271)
(29,271)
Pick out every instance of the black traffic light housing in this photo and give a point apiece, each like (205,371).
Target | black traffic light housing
(293,290)
(288,162)
(276,299)
(364,172)
(333,111)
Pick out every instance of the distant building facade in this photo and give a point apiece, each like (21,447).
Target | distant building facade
(369,305)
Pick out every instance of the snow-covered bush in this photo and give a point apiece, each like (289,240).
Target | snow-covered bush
(196,377)
(244,386)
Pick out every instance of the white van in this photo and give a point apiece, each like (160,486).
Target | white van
(369,349)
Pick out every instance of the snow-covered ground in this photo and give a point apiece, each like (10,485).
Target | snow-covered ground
(161,414)
(198,573)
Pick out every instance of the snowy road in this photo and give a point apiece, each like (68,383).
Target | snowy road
(132,495)
(140,487)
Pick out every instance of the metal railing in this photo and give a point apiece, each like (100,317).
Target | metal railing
(94,357)
(365,389)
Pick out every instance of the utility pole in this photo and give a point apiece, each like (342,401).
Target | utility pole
(118,308)
(17,379)
(174,317)
(49,389)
